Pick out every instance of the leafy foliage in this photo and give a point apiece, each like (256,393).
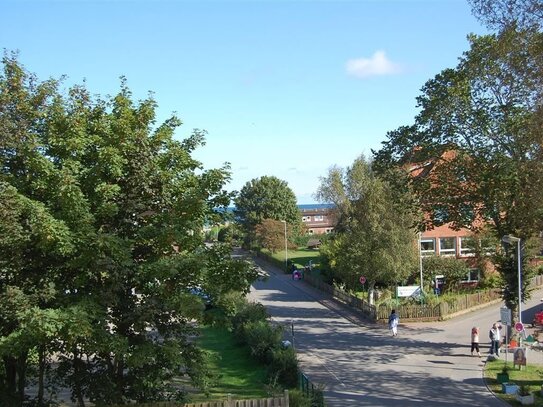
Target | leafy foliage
(504,13)
(284,365)
(271,235)
(375,232)
(475,149)
(454,270)
(263,198)
(101,213)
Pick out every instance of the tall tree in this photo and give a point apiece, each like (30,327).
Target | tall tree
(102,213)
(475,146)
(499,14)
(376,236)
(266,197)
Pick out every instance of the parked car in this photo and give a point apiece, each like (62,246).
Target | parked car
(205,297)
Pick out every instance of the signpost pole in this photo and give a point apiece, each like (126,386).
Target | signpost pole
(505,317)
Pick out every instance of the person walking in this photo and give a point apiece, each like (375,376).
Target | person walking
(495,338)
(393,320)
(475,341)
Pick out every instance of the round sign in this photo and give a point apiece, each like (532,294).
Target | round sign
(519,327)
(362,280)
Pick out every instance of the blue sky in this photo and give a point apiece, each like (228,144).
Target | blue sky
(283,88)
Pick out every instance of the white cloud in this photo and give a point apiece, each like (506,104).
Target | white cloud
(377,65)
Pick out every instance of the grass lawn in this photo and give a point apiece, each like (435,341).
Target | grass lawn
(237,372)
(299,257)
(531,375)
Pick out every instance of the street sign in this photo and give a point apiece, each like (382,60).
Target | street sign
(505,316)
(362,280)
(407,290)
(519,327)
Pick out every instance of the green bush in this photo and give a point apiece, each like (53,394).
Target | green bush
(250,312)
(262,338)
(284,366)
(226,234)
(301,241)
(298,399)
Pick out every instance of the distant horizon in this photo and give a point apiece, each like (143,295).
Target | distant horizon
(302,206)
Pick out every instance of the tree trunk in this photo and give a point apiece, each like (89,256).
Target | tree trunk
(10,367)
(21,375)
(78,371)
(41,374)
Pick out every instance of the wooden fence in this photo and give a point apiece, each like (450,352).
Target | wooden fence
(413,312)
(367,309)
(282,401)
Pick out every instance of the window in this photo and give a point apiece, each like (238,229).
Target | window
(473,275)
(319,218)
(447,246)
(427,247)
(306,219)
(467,246)
(441,214)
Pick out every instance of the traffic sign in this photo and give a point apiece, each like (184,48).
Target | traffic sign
(519,327)
(362,280)
(505,316)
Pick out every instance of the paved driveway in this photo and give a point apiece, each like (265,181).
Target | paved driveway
(361,364)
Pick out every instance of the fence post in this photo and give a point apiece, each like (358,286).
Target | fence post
(229,400)
(286,398)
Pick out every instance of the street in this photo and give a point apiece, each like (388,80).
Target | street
(361,364)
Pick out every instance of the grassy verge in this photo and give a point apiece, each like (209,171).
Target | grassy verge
(300,257)
(236,371)
(530,375)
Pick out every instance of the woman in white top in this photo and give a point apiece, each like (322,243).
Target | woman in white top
(495,338)
(475,341)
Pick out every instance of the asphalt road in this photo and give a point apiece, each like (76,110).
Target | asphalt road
(361,364)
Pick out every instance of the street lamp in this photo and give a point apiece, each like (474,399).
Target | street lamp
(286,246)
(420,264)
(510,240)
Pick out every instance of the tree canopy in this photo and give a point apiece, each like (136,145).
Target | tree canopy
(101,219)
(498,14)
(375,237)
(266,197)
(475,148)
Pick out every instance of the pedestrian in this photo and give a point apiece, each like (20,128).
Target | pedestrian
(475,341)
(393,320)
(495,338)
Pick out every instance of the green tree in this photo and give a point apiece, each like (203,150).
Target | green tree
(376,237)
(271,235)
(454,270)
(101,243)
(230,234)
(475,149)
(266,197)
(505,13)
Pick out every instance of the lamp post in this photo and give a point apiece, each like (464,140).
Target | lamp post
(510,240)
(286,246)
(420,264)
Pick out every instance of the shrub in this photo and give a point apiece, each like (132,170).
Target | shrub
(298,399)
(262,338)
(250,312)
(524,390)
(226,234)
(284,366)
